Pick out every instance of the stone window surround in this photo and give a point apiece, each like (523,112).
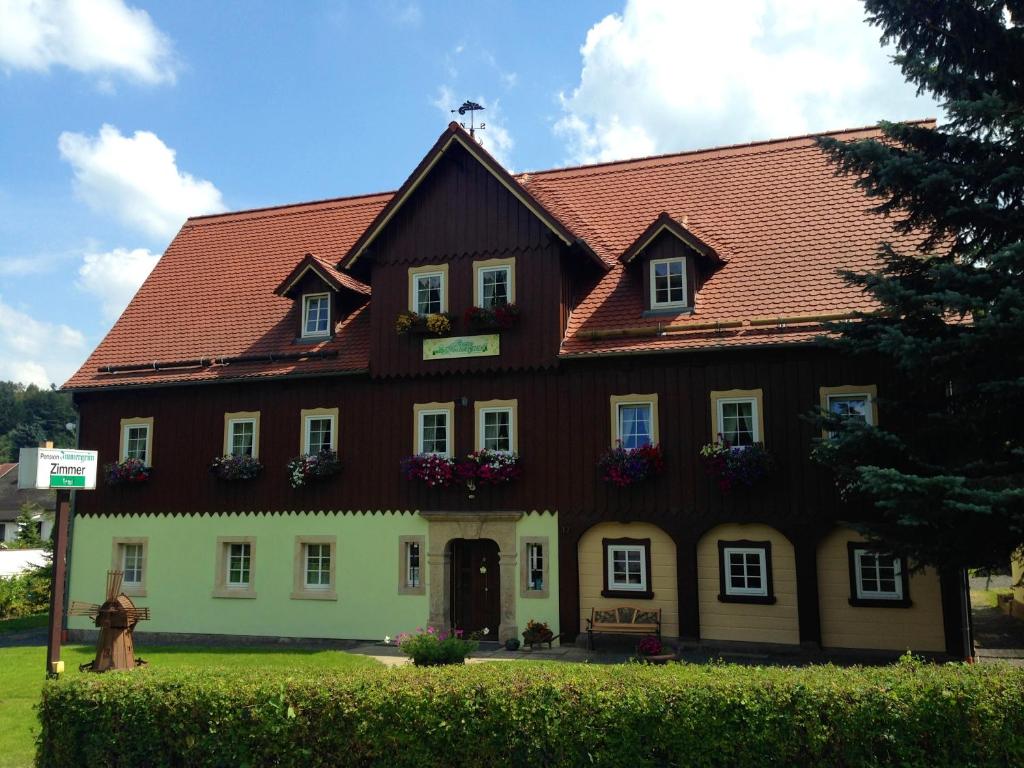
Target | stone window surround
(117,563)
(253,416)
(299,589)
(868,390)
(756,395)
(220,580)
(403,587)
(137,421)
(315,413)
(478,428)
(524,581)
(615,401)
(428,269)
(480,266)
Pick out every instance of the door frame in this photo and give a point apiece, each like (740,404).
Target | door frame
(497,526)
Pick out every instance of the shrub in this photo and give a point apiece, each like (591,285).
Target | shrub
(434,648)
(25,593)
(539,714)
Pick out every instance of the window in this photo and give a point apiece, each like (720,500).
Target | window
(877,578)
(535,566)
(634,420)
(627,564)
(318,430)
(428,289)
(745,572)
(851,402)
(129,555)
(314,568)
(496,425)
(137,440)
(242,434)
(411,553)
(433,428)
(737,417)
(236,567)
(316,315)
(494,283)
(668,283)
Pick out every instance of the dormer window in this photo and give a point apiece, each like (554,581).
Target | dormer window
(316,315)
(668,283)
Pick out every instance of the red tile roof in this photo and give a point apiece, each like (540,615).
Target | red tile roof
(774,211)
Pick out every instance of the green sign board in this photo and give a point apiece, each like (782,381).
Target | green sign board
(66,481)
(461,346)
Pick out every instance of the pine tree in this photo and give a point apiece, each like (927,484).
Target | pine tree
(28,536)
(941,480)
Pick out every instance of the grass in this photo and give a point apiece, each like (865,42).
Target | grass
(37,621)
(987,598)
(22,673)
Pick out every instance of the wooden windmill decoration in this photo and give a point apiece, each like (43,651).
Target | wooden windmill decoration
(116,619)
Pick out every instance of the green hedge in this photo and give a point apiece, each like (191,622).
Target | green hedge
(540,715)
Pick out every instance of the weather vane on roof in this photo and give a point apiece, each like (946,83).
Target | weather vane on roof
(471,107)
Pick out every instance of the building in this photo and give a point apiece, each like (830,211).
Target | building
(664,301)
(12,499)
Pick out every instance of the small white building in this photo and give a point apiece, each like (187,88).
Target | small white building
(14,561)
(11,500)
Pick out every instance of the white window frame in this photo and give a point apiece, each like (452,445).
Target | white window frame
(305,566)
(416,291)
(306,300)
(481,271)
(651,414)
(616,586)
(869,410)
(727,565)
(307,427)
(655,304)
(140,566)
(410,582)
(127,441)
(421,436)
(232,423)
(754,416)
(532,549)
(134,423)
(865,594)
(246,556)
(511,426)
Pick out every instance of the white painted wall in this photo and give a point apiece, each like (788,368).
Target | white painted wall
(14,561)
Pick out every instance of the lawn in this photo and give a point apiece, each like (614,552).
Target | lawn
(987,598)
(9,626)
(21,678)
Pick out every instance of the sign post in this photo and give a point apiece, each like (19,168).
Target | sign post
(59,469)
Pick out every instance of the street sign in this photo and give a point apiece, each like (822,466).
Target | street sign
(57,468)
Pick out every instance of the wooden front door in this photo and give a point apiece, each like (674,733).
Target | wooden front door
(475,587)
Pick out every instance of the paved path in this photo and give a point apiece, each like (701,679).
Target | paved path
(997,636)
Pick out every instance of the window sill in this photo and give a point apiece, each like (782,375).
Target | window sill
(421,590)
(534,593)
(874,602)
(667,311)
(133,591)
(312,339)
(310,594)
(748,599)
(230,592)
(633,594)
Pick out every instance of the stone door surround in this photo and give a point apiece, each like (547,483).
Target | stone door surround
(500,527)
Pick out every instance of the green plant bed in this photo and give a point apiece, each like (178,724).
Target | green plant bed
(530,715)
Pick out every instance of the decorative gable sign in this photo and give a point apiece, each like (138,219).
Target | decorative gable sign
(57,468)
(461,346)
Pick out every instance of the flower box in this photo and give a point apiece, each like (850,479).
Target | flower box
(422,325)
(497,318)
(303,470)
(432,470)
(627,466)
(489,468)
(235,468)
(732,465)
(127,472)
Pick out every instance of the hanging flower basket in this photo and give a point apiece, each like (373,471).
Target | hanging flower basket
(432,470)
(411,323)
(499,318)
(235,467)
(311,467)
(627,466)
(127,472)
(732,465)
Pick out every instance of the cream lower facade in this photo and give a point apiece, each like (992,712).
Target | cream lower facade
(184,588)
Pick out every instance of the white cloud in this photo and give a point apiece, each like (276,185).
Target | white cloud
(137,179)
(114,277)
(100,37)
(666,75)
(409,15)
(34,351)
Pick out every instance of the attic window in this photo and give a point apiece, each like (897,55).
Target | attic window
(316,315)
(668,283)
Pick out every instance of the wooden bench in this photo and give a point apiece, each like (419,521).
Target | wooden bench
(624,620)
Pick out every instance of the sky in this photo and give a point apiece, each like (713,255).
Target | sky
(121,118)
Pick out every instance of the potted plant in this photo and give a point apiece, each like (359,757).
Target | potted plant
(127,472)
(651,650)
(431,469)
(627,466)
(501,317)
(433,648)
(735,465)
(311,467)
(411,323)
(235,467)
(537,632)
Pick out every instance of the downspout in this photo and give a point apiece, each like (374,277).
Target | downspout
(966,620)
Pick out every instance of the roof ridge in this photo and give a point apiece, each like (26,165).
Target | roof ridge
(283,209)
(718,148)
